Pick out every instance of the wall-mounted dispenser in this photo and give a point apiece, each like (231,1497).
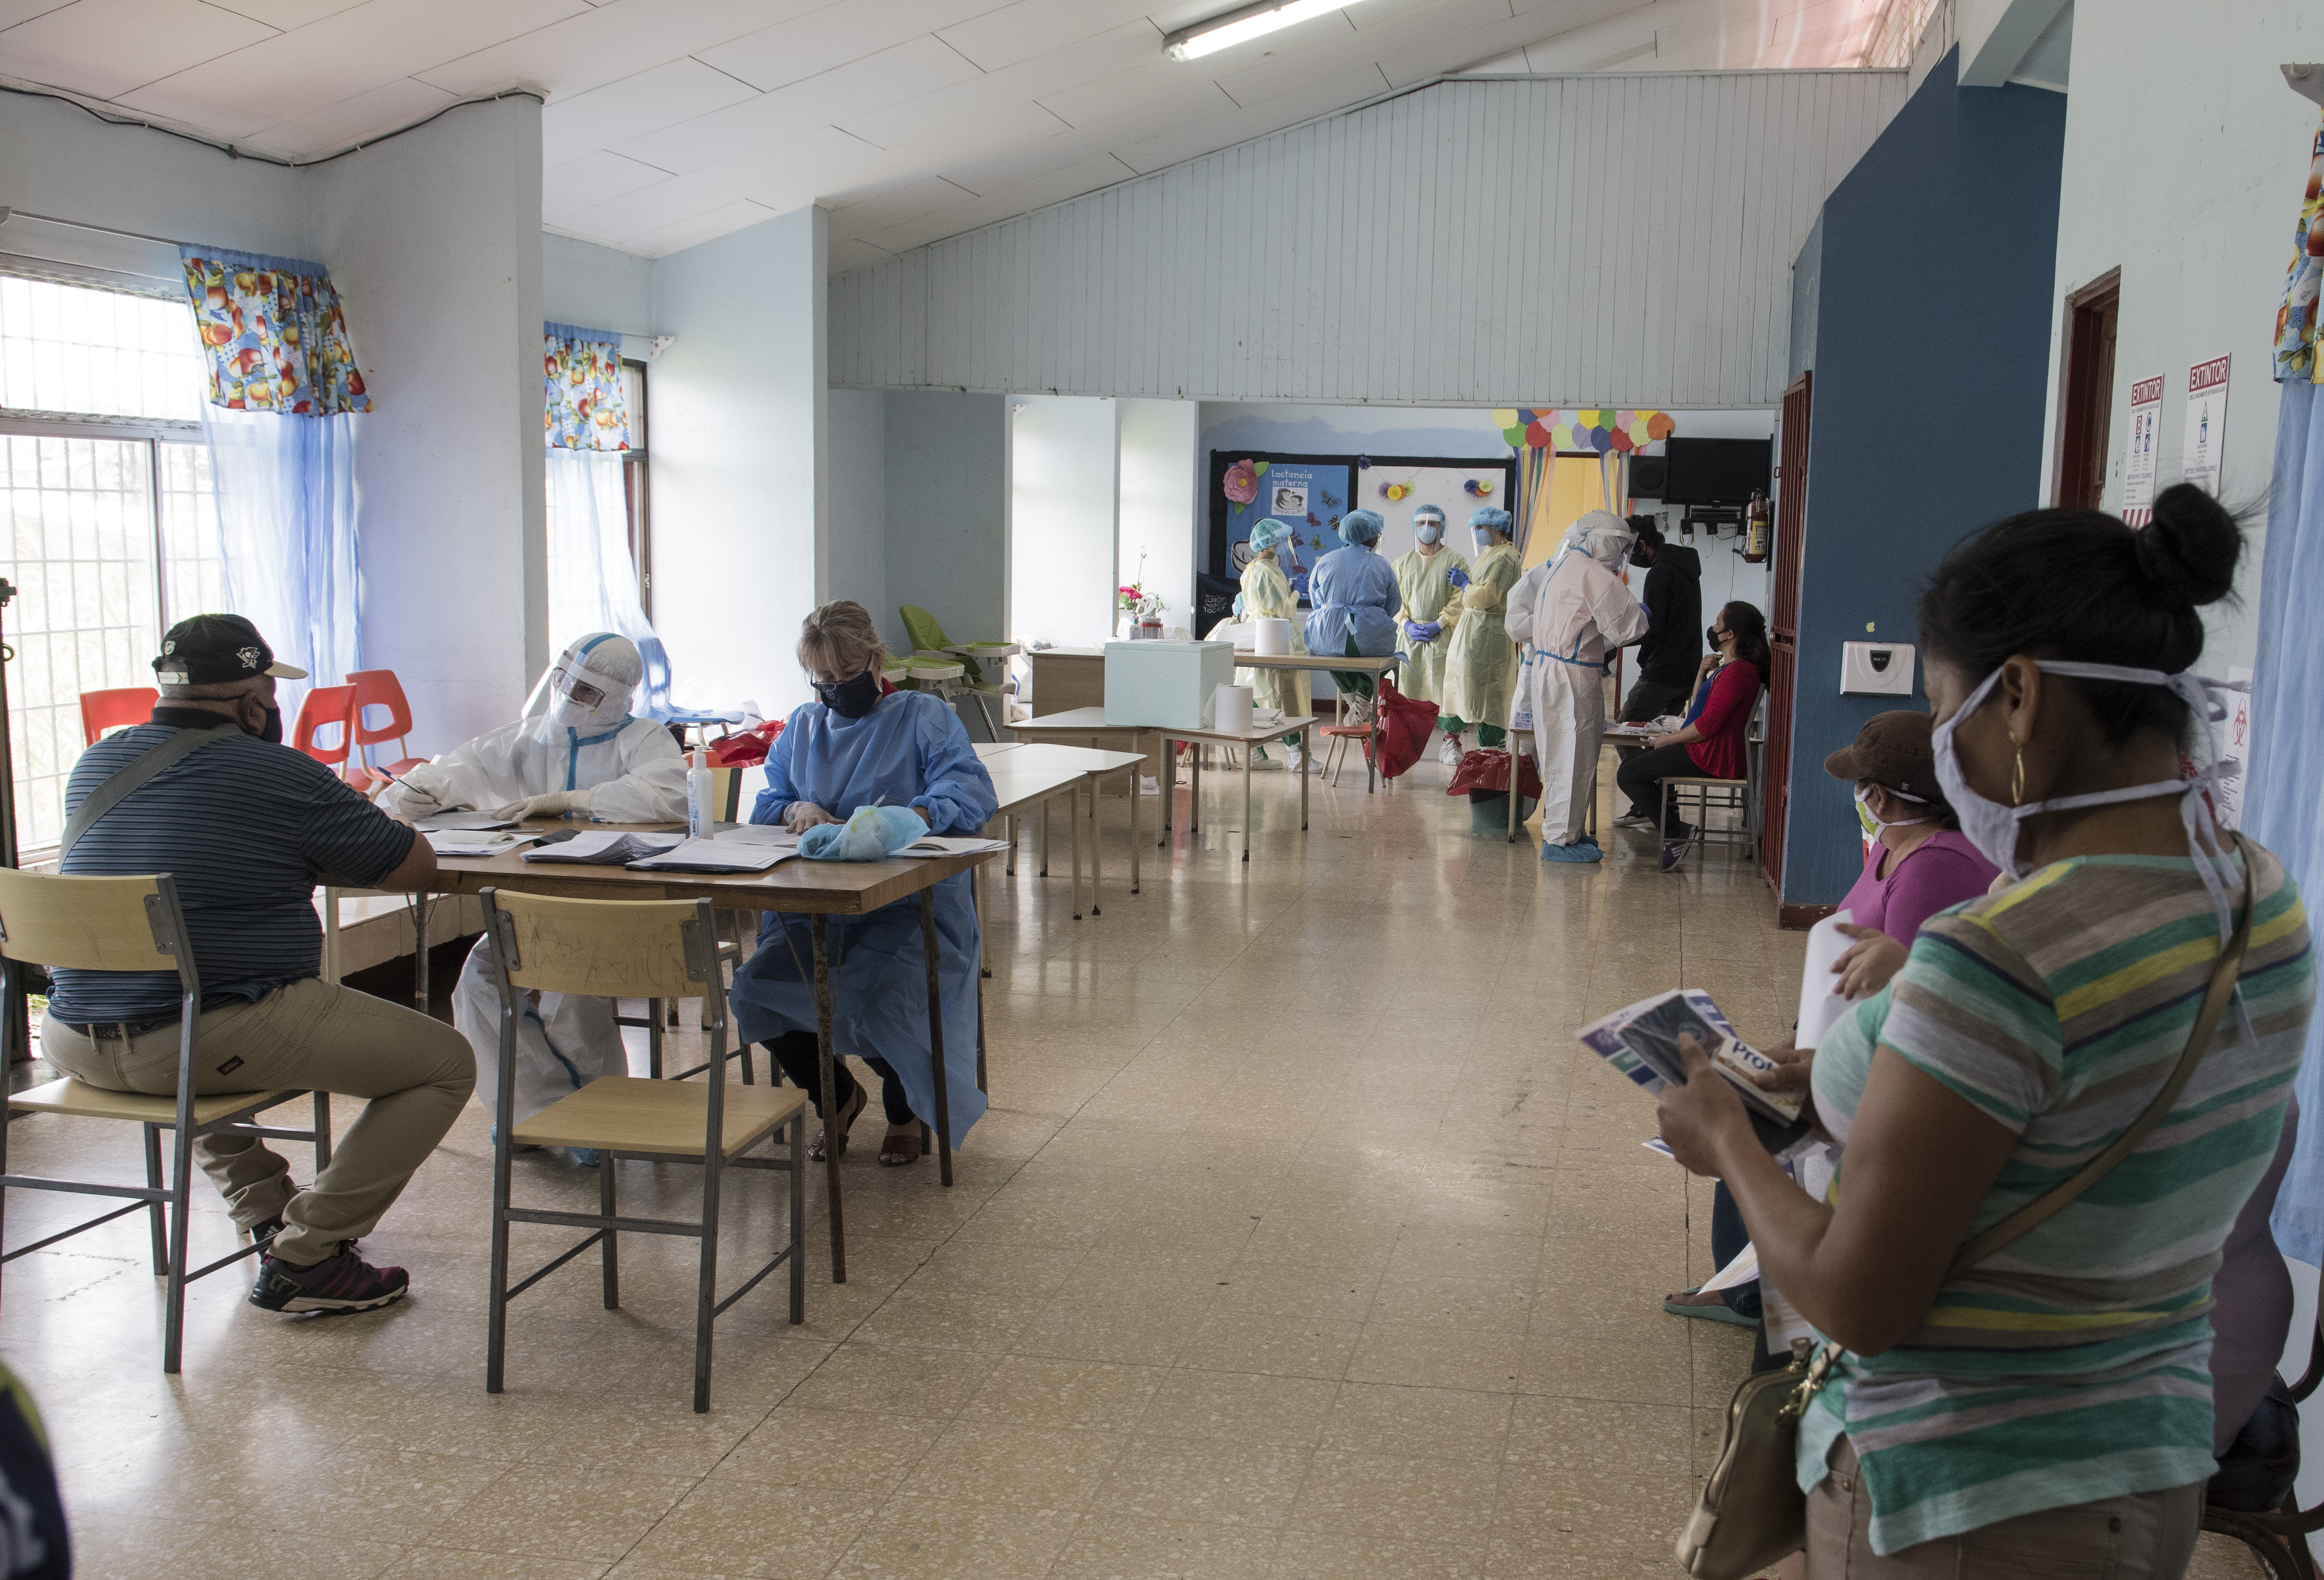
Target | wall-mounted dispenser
(1880,669)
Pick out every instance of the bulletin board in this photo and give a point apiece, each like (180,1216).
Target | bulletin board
(1246,487)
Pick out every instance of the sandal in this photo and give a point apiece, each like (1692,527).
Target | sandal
(1717,1311)
(815,1148)
(898,1151)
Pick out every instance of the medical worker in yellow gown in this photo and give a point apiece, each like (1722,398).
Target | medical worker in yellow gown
(1267,594)
(1480,664)
(1432,608)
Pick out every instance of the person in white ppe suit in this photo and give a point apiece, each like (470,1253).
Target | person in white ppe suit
(1574,611)
(584,754)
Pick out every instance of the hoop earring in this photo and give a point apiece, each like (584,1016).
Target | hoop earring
(2017,785)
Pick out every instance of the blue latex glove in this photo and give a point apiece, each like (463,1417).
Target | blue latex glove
(1417,632)
(1238,606)
(1299,584)
(1456,577)
(872,834)
(1436,629)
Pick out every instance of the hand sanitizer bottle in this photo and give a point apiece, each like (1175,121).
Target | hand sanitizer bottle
(698,782)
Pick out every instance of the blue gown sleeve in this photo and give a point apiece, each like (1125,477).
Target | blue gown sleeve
(959,798)
(780,791)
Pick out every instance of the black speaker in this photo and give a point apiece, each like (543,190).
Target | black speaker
(1647,474)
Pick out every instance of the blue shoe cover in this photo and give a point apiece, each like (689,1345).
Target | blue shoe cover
(586,1156)
(1582,849)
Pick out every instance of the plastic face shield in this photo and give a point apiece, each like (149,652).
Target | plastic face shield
(565,683)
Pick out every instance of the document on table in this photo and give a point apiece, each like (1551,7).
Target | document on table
(470,821)
(715,856)
(604,848)
(770,834)
(474,841)
(941,845)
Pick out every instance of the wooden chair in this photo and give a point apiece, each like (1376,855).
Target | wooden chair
(117,709)
(1338,735)
(132,924)
(653,949)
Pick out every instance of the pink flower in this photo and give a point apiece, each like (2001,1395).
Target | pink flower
(1242,482)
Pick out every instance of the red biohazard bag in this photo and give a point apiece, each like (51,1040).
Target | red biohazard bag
(1405,727)
(1488,769)
(740,752)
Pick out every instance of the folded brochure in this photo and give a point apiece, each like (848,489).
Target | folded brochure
(604,848)
(1642,1043)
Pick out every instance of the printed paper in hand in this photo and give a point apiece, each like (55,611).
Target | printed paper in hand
(1642,1043)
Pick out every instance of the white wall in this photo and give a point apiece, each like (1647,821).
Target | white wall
(1160,487)
(448,468)
(947,511)
(1597,239)
(1062,520)
(2184,166)
(858,494)
(740,458)
(597,287)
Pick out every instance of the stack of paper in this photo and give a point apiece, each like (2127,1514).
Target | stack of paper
(940,845)
(474,841)
(715,856)
(603,848)
(471,821)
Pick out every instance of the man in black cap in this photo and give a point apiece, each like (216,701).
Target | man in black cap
(249,827)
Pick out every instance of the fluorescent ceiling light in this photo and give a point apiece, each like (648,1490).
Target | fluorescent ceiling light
(1237,27)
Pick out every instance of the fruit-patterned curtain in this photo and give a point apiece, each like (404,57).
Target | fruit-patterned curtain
(586,408)
(2295,320)
(275,332)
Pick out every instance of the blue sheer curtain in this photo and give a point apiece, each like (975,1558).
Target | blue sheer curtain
(2287,771)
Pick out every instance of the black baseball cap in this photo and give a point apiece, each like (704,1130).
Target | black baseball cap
(212,649)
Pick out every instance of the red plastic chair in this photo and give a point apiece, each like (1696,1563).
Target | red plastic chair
(327,706)
(379,688)
(101,711)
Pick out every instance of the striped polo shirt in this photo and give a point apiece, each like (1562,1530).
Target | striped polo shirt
(2073,1365)
(247,829)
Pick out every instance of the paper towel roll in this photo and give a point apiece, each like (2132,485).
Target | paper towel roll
(1271,638)
(1820,1005)
(1231,711)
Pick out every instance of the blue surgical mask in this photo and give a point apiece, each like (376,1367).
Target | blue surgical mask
(1428,531)
(1484,536)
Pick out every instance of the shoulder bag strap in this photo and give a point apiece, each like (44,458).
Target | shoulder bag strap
(2035,1213)
(126,781)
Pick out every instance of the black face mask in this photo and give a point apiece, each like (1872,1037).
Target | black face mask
(272,732)
(1715,634)
(851,699)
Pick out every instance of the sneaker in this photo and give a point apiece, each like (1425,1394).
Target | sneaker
(1585,848)
(339,1283)
(1448,751)
(267,1227)
(1675,851)
(1634,820)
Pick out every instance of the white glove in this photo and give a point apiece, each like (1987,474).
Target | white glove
(556,803)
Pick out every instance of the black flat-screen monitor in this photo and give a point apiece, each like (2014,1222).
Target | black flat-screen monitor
(1716,472)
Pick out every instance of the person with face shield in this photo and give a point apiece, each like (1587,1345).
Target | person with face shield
(1355,598)
(1267,594)
(1574,611)
(1432,608)
(587,754)
(1476,666)
(861,743)
(2140,998)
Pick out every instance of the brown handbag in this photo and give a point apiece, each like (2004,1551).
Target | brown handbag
(1752,1512)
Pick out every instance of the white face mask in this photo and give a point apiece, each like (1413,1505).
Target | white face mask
(1993,829)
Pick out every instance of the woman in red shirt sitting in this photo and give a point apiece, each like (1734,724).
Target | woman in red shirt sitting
(1712,746)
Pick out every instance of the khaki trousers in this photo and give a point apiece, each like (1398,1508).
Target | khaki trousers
(2139,1536)
(415,1071)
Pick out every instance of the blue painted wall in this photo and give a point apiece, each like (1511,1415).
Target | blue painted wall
(1932,303)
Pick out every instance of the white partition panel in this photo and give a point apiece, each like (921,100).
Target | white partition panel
(1161,467)
(1064,509)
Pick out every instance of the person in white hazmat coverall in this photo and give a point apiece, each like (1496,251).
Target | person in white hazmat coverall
(1574,611)
(584,754)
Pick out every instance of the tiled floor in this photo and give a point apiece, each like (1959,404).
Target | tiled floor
(1302,1241)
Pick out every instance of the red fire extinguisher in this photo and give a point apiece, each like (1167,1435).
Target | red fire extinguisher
(1759,528)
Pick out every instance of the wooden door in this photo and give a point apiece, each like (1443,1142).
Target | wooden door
(2086,393)
(1784,630)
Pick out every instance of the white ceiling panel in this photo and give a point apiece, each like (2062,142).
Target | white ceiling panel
(336,59)
(850,253)
(286,14)
(607,116)
(13,12)
(105,48)
(971,116)
(822,149)
(833,36)
(1055,187)
(598,46)
(1036,27)
(567,188)
(889,77)
(707,226)
(367,115)
(895,202)
(1288,109)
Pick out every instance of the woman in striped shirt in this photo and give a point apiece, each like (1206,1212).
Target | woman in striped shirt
(2047,1410)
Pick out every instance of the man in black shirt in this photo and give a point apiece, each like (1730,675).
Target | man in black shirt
(248,827)
(1673,646)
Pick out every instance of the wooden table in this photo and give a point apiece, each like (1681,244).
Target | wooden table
(818,889)
(1375,667)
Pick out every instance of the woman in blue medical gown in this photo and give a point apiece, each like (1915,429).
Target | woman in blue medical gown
(856,745)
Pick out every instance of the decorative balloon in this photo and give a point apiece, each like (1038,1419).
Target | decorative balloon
(1596,431)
